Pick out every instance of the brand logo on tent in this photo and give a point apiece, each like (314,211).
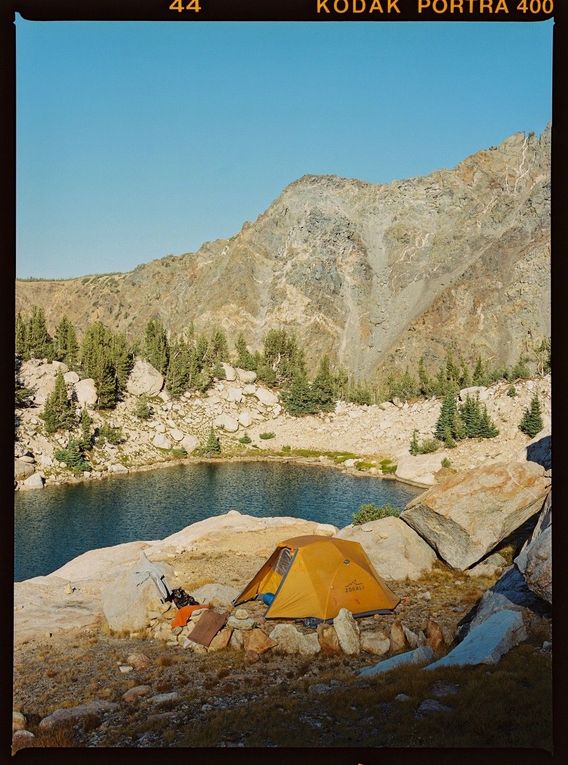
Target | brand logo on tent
(354,585)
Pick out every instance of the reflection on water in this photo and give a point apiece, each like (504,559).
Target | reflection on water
(56,524)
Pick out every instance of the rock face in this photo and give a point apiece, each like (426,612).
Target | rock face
(487,642)
(127,601)
(144,380)
(395,550)
(509,593)
(374,274)
(468,514)
(419,470)
(537,569)
(539,449)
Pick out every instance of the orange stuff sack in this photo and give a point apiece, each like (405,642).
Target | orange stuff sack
(182,616)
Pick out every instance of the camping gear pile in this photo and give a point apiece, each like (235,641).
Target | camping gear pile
(309,579)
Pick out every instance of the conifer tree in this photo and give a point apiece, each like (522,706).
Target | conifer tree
(449,425)
(156,346)
(177,377)
(323,386)
(414,448)
(521,370)
(479,376)
(73,456)
(487,427)
(143,410)
(424,382)
(245,359)
(85,424)
(212,445)
(22,345)
(218,348)
(107,387)
(298,397)
(122,358)
(39,341)
(59,411)
(531,422)
(65,345)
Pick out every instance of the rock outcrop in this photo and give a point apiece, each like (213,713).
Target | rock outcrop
(395,550)
(468,514)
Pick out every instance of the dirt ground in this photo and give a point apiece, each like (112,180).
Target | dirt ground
(321,698)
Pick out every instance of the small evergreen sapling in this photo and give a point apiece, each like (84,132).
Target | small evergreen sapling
(531,422)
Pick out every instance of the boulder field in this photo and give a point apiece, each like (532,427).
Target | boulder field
(239,405)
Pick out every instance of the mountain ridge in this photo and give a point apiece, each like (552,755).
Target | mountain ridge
(375,275)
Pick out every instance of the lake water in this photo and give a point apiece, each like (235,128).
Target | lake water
(56,524)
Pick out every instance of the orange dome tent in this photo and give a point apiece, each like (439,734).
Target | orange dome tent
(316,576)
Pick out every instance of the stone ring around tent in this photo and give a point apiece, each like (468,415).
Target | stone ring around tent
(316,576)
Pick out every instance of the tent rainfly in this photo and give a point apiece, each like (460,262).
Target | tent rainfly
(316,576)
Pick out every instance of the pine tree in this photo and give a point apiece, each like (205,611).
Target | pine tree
(424,382)
(479,376)
(212,445)
(65,345)
(143,410)
(531,422)
(414,448)
(487,427)
(73,456)
(323,386)
(470,412)
(39,341)
(107,387)
(245,359)
(177,377)
(59,411)
(452,369)
(22,344)
(156,346)
(86,435)
(520,371)
(298,397)
(449,424)
(218,348)
(122,359)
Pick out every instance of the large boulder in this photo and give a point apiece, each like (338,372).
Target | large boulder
(509,593)
(487,642)
(245,376)
(161,441)
(92,710)
(144,380)
(128,600)
(86,392)
(395,550)
(35,481)
(539,449)
(22,469)
(468,514)
(536,565)
(419,470)
(215,594)
(39,378)
(189,443)
(245,418)
(266,397)
(228,423)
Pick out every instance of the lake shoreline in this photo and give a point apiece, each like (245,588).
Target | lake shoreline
(326,462)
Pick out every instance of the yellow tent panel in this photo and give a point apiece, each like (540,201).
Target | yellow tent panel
(317,576)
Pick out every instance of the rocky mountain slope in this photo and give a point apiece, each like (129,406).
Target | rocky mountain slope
(371,274)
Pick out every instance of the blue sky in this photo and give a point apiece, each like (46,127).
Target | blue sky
(139,140)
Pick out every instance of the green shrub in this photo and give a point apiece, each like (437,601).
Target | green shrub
(266,436)
(362,465)
(246,439)
(446,463)
(211,447)
(512,392)
(143,410)
(427,446)
(370,512)
(72,455)
(179,451)
(387,466)
(287,449)
(112,435)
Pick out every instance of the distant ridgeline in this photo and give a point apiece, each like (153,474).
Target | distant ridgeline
(372,276)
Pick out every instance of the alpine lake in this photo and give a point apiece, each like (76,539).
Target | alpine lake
(54,525)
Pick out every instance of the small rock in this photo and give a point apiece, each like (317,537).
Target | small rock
(257,640)
(133,694)
(434,635)
(402,697)
(431,706)
(418,656)
(21,739)
(125,668)
(241,613)
(240,624)
(375,642)
(19,721)
(139,661)
(221,639)
(347,631)
(164,698)
(397,637)
(441,689)
(328,639)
